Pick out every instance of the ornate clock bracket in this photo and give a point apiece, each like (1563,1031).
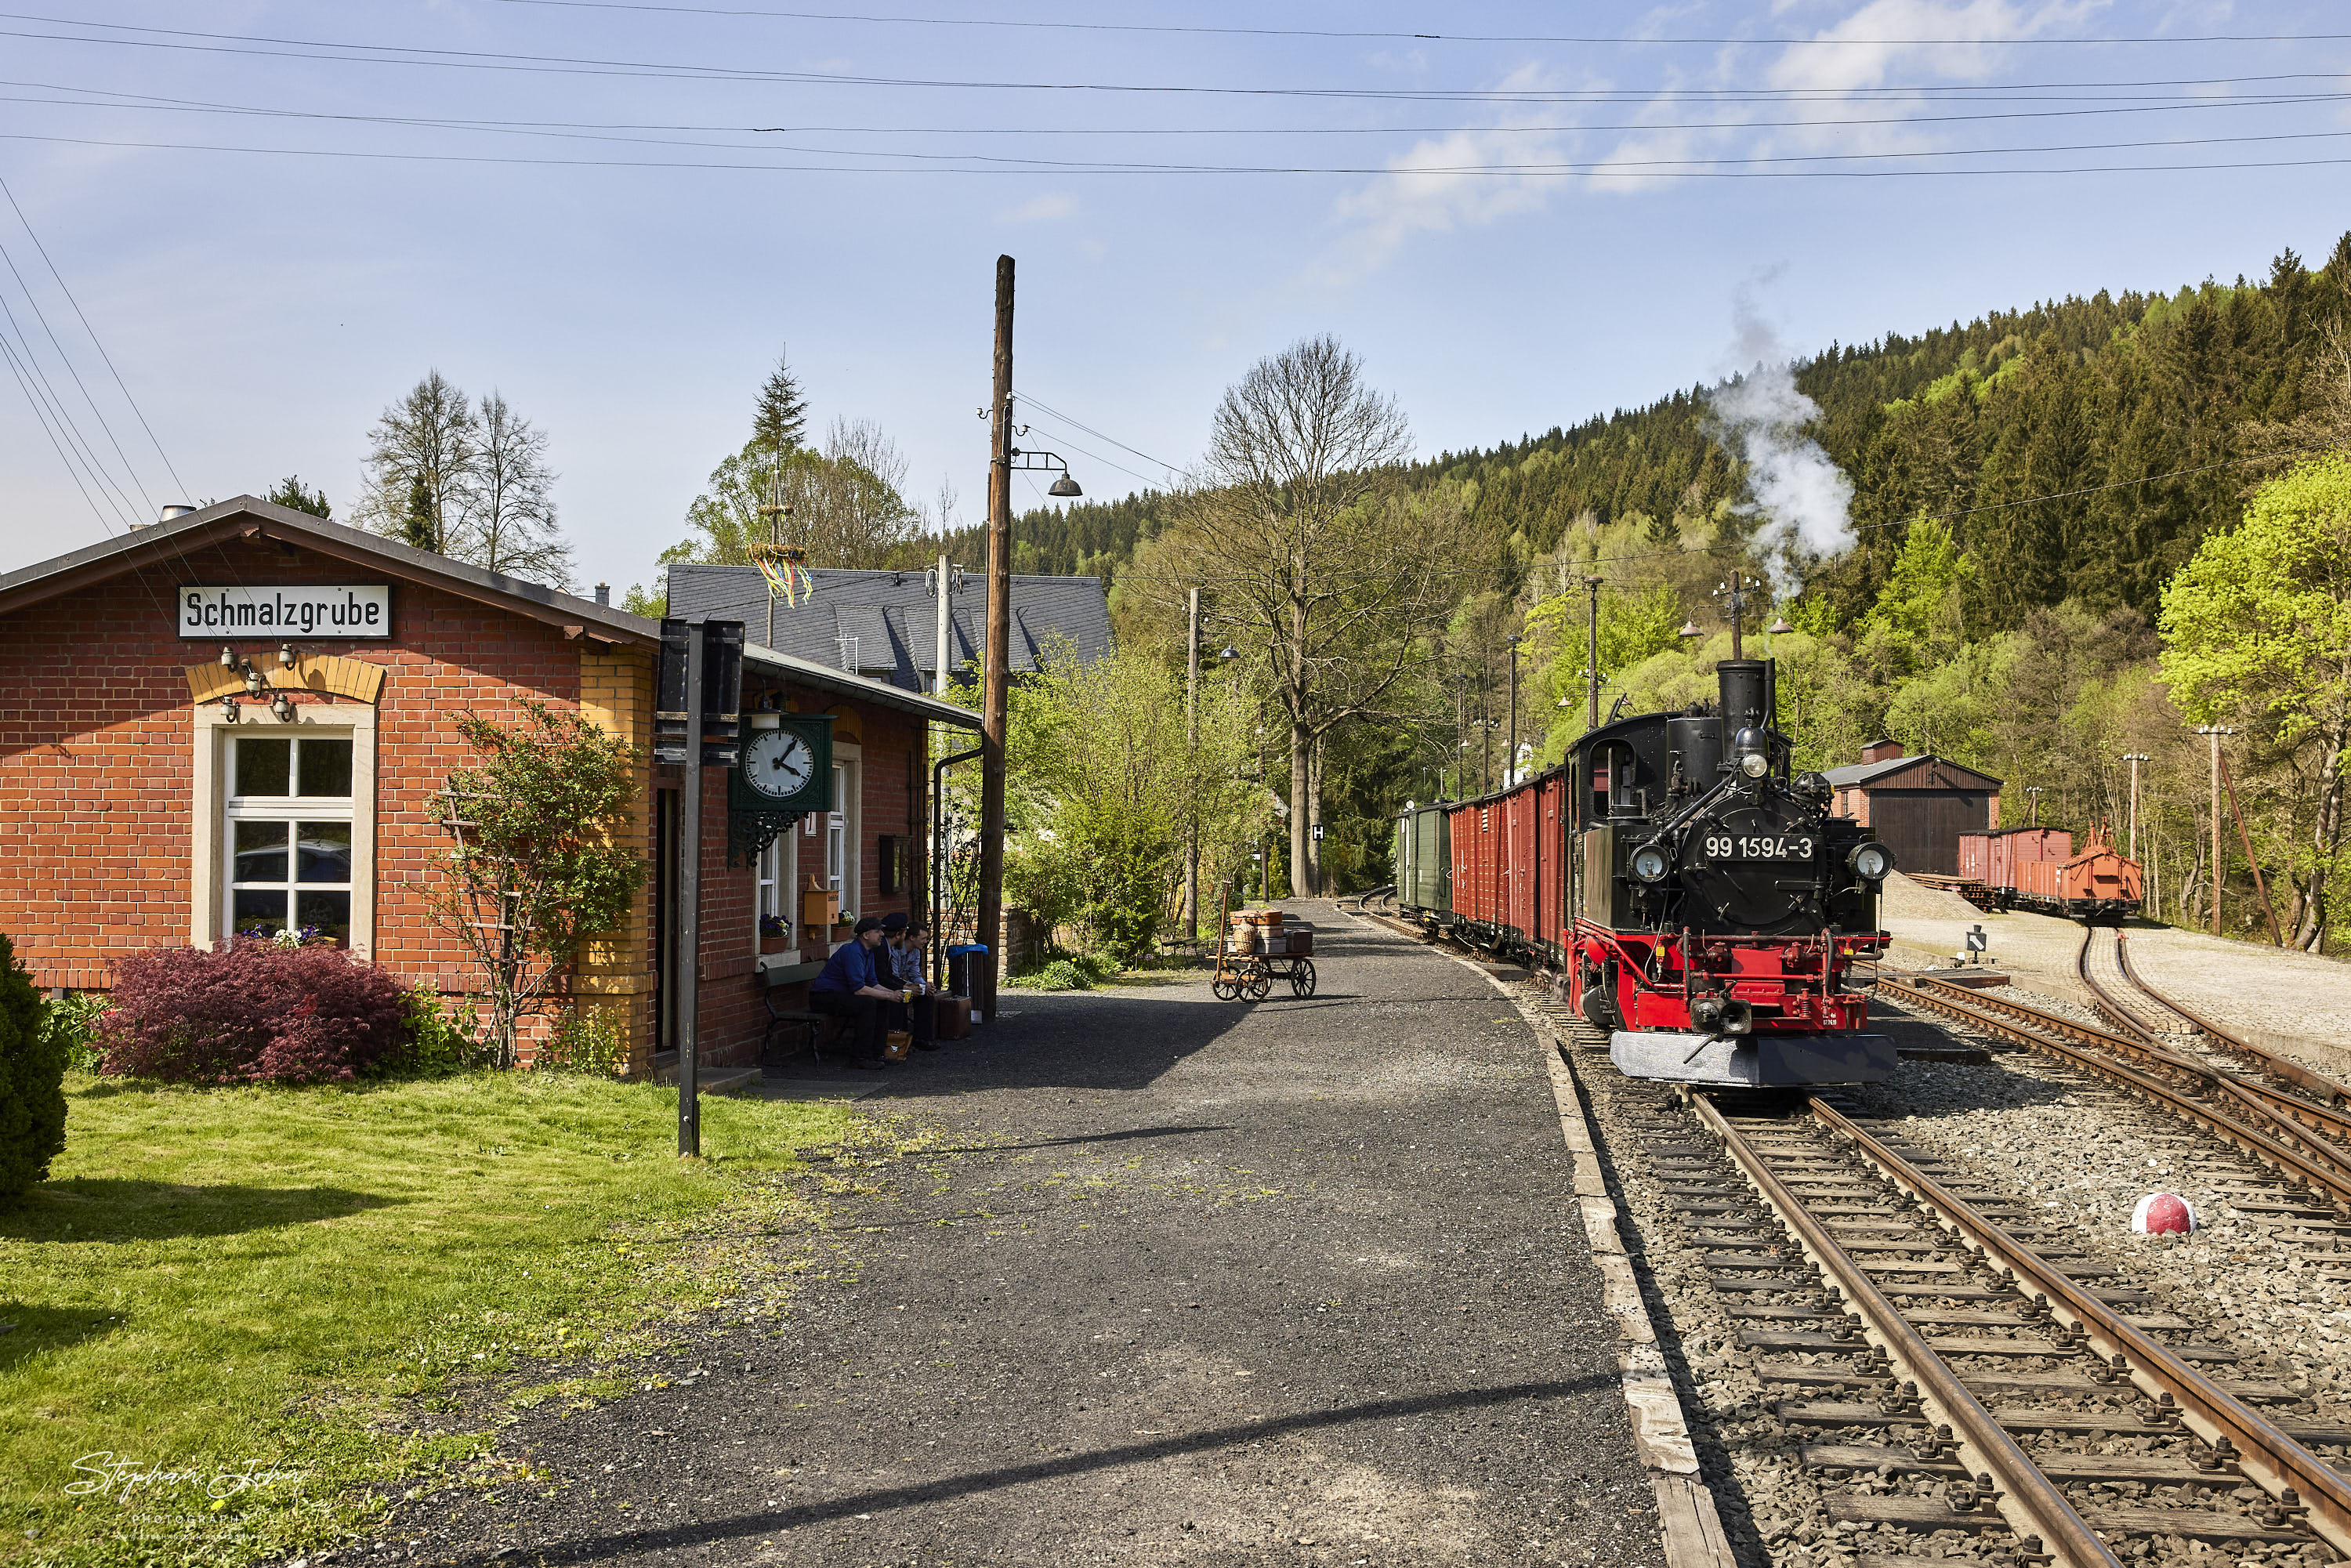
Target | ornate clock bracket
(748,833)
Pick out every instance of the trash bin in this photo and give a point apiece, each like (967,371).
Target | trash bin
(966,966)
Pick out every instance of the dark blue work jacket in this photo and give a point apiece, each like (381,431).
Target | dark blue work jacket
(848,971)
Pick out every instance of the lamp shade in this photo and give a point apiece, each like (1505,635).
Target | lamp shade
(1065,488)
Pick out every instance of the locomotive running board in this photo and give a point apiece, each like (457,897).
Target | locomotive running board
(1753,1061)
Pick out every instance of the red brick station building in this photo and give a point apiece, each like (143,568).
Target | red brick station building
(143,779)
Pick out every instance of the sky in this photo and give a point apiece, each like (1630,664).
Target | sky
(238,229)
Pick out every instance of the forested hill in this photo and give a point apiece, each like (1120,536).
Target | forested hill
(1961,420)
(2061,397)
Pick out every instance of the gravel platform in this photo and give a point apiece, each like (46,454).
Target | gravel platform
(1199,1282)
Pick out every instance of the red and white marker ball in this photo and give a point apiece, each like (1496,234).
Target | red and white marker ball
(2163,1214)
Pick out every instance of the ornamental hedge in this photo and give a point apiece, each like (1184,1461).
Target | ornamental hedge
(32,1083)
(256,1012)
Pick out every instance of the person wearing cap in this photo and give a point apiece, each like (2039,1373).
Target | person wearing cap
(851,987)
(903,955)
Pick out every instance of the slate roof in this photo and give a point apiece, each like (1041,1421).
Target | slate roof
(1866,773)
(174,546)
(884,624)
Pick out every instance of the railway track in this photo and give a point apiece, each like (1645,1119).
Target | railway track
(2305,1140)
(1963,1372)
(1954,1380)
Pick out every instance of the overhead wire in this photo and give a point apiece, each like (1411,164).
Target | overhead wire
(1605,169)
(1393,36)
(78,440)
(96,341)
(33,303)
(102,98)
(267,46)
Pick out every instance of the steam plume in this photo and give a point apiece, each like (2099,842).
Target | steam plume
(1759,418)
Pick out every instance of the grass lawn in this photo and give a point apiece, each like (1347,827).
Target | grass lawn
(230,1305)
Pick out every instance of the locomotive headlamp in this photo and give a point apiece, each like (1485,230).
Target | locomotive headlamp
(1755,765)
(1650,863)
(1870,861)
(1754,756)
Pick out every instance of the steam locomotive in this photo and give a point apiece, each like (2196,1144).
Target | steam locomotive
(1699,903)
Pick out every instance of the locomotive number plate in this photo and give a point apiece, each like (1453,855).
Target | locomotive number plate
(1758,846)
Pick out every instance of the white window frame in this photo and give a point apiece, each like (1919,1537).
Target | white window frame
(846,818)
(209,900)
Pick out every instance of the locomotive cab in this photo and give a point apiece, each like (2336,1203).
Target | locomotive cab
(1719,905)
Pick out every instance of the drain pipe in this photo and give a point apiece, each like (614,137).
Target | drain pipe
(939,862)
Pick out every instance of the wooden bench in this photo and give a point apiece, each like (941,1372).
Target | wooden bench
(777,977)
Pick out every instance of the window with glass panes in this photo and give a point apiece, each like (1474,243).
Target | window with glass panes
(288,833)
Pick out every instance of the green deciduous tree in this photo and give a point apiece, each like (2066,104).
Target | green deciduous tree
(2257,629)
(1104,789)
(541,860)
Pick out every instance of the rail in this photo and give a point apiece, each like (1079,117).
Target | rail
(2266,1454)
(2316,1085)
(2279,1133)
(2029,1501)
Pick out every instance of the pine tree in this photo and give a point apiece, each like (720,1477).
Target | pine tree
(781,422)
(293,494)
(419,526)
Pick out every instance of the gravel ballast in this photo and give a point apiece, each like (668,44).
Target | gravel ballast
(1195,1282)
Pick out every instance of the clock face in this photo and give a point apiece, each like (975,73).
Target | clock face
(778,764)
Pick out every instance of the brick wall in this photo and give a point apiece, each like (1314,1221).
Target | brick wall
(96,779)
(96,786)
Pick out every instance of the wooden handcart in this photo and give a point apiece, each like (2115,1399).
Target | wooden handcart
(1253,974)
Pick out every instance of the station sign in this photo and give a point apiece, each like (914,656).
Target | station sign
(301,610)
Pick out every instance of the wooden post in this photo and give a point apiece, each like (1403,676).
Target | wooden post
(2261,890)
(1591,660)
(1192,747)
(998,649)
(2213,732)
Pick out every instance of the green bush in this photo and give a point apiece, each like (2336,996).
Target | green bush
(71,1023)
(435,1043)
(32,1081)
(588,1040)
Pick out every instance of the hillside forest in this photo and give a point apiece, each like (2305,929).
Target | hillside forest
(2029,491)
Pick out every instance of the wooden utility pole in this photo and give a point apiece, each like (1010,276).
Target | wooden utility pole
(1191,751)
(1510,757)
(994,690)
(2214,732)
(2134,758)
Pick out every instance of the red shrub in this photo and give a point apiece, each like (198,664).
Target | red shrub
(256,1013)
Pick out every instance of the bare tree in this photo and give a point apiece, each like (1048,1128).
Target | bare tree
(1296,526)
(507,521)
(420,458)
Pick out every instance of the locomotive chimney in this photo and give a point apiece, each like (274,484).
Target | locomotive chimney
(1743,702)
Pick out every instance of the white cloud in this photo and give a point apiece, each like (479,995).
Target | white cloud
(1869,47)
(1048,208)
(1432,190)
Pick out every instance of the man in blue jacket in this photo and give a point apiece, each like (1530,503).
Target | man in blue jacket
(851,987)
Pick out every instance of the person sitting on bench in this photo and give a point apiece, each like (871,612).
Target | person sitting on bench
(902,959)
(850,987)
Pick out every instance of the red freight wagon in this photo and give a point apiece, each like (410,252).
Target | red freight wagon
(2036,868)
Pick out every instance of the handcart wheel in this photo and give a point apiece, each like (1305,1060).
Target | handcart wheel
(1225,990)
(1302,977)
(1260,983)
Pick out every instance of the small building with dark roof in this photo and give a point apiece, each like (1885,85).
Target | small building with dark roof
(236,723)
(884,624)
(1915,806)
